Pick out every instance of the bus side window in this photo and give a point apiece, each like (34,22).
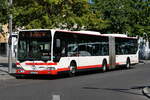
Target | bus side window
(105,50)
(85,50)
(58,42)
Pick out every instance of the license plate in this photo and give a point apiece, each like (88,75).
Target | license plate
(33,72)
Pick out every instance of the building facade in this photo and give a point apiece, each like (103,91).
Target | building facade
(4,41)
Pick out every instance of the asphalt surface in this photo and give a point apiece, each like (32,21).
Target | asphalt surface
(4,75)
(116,84)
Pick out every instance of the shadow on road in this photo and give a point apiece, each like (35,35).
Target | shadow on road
(64,76)
(122,90)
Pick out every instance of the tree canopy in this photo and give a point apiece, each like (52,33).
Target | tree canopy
(126,16)
(3,11)
(63,14)
(107,16)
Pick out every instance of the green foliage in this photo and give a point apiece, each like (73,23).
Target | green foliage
(115,16)
(63,14)
(3,11)
(126,16)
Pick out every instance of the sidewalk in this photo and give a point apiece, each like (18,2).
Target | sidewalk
(4,75)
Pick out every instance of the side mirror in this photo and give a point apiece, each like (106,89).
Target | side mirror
(58,43)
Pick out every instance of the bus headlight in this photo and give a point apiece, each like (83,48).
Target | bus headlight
(51,68)
(20,69)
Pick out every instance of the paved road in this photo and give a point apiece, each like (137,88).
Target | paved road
(116,85)
(4,75)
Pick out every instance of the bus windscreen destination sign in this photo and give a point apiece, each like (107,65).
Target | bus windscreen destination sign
(34,34)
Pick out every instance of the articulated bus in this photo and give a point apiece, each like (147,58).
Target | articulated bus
(50,52)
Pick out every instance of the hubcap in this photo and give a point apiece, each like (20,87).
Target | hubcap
(104,68)
(72,69)
(128,65)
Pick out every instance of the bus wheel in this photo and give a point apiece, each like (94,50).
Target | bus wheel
(72,70)
(128,65)
(104,66)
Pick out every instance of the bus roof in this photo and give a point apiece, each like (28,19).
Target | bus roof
(89,32)
(116,35)
(98,34)
(84,32)
(36,30)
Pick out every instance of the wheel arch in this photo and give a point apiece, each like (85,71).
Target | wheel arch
(104,61)
(128,59)
(73,62)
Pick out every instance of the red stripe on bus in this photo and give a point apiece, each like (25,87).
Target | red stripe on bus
(108,65)
(41,63)
(120,63)
(17,63)
(63,69)
(91,66)
(80,67)
(51,72)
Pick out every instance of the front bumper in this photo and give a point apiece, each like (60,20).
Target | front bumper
(38,72)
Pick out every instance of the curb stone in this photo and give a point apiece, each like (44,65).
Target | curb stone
(146,91)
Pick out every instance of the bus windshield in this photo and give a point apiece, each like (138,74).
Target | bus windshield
(34,45)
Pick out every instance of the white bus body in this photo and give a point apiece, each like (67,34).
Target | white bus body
(55,51)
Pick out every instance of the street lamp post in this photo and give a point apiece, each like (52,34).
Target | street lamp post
(10,40)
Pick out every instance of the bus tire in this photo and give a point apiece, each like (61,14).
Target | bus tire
(128,64)
(72,69)
(104,66)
